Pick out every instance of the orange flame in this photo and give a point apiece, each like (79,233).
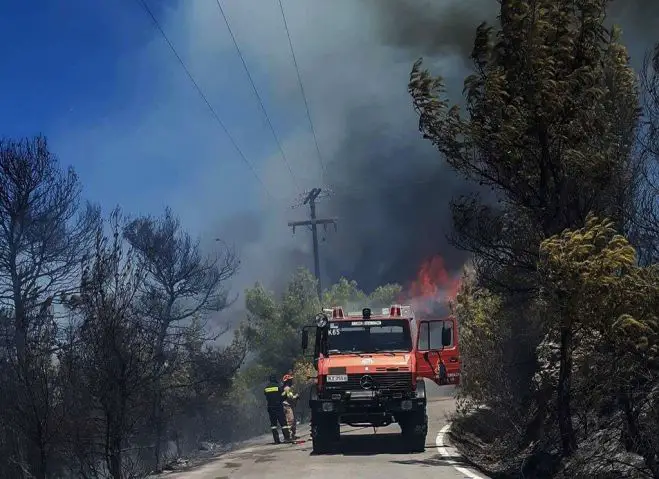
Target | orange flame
(434,287)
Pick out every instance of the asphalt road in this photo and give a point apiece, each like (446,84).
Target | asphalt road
(362,454)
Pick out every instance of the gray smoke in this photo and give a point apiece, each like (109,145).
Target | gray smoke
(392,196)
(435,28)
(432,28)
(391,189)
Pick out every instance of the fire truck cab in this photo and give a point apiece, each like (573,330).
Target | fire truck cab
(371,368)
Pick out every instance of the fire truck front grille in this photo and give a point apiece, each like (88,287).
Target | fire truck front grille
(376,381)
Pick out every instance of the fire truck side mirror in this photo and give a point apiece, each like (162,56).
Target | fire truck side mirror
(305,340)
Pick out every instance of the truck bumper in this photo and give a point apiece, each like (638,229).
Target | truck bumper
(374,406)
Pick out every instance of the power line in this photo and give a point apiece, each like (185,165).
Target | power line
(347,191)
(377,187)
(201,93)
(363,191)
(299,79)
(258,97)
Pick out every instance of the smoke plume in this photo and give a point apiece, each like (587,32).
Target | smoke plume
(390,188)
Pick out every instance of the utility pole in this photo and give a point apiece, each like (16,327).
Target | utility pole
(313,222)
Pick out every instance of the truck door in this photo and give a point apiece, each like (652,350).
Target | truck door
(433,337)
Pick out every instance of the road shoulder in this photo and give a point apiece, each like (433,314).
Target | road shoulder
(452,456)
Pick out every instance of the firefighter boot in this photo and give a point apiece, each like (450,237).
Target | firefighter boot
(287,433)
(275,435)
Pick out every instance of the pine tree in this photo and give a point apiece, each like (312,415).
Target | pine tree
(550,116)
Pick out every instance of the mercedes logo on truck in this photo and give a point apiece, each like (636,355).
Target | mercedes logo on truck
(366,382)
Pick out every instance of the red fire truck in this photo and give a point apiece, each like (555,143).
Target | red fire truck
(371,369)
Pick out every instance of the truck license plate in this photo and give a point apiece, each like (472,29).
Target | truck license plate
(337,378)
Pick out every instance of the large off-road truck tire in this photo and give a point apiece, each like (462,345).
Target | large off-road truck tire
(325,432)
(414,428)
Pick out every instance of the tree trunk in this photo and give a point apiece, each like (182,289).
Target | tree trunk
(639,444)
(20,324)
(158,415)
(158,423)
(115,459)
(568,437)
(41,468)
(113,444)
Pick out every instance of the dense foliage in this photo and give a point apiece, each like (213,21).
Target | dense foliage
(563,304)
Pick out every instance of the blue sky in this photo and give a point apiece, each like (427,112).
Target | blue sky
(97,78)
(74,67)
(63,57)
(91,74)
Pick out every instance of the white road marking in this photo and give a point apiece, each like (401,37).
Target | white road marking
(447,452)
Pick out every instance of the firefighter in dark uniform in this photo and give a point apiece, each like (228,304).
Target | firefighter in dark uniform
(273,396)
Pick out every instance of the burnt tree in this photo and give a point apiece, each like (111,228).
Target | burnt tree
(44,231)
(112,351)
(180,283)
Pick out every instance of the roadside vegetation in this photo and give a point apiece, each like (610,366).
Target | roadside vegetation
(559,311)
(110,365)
(106,365)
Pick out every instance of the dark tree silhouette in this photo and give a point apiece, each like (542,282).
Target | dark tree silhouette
(180,283)
(44,231)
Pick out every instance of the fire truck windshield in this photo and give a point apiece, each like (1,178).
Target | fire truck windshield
(369,336)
